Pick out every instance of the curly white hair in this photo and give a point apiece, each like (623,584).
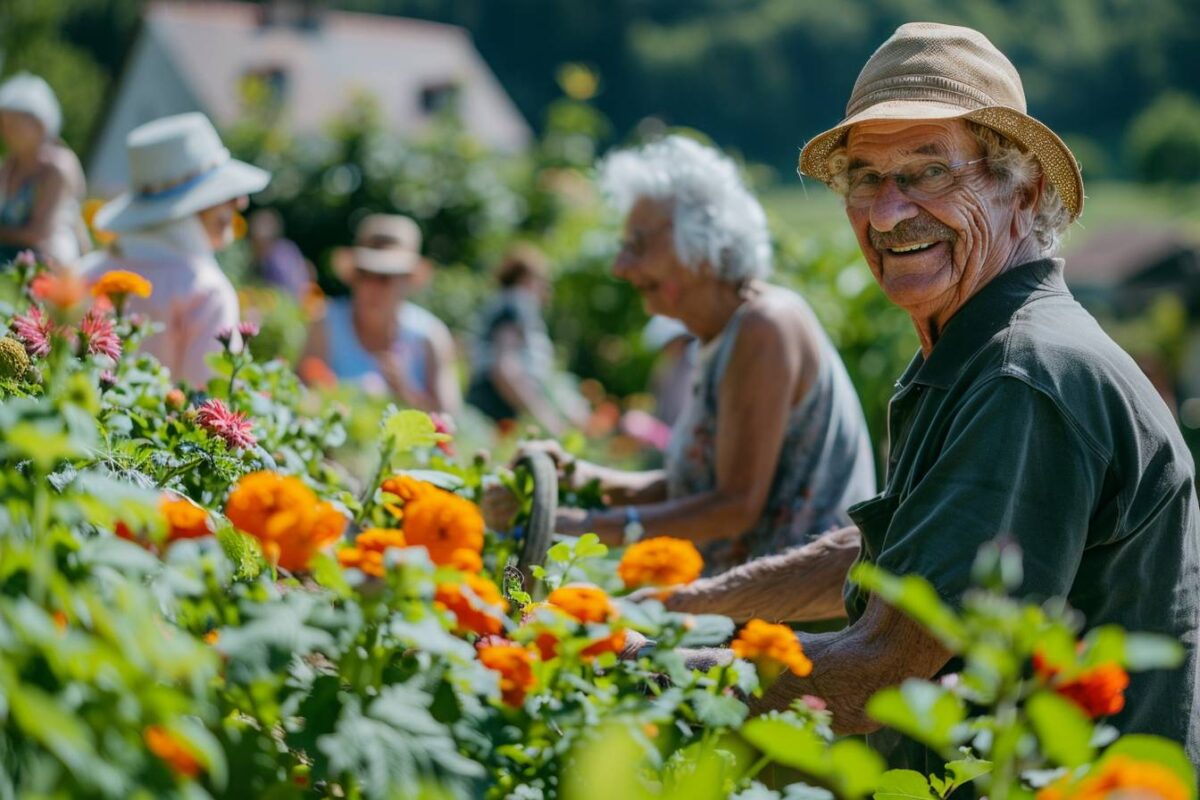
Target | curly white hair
(715,218)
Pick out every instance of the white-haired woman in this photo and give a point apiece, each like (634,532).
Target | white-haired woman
(772,447)
(186,191)
(41,182)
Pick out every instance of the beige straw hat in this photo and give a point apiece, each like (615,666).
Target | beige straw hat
(927,70)
(386,244)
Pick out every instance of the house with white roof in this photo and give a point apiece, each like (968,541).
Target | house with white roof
(196,56)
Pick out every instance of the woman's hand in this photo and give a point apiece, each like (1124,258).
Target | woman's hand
(499,506)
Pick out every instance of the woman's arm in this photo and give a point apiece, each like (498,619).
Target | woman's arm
(442,372)
(516,387)
(756,395)
(50,190)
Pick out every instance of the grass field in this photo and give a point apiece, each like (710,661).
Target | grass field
(810,206)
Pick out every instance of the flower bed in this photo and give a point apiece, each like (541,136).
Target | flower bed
(195,601)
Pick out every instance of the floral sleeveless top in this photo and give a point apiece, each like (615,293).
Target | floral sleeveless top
(825,464)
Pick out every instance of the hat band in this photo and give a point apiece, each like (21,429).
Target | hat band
(930,88)
(184,184)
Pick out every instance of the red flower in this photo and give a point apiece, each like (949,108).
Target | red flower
(232,426)
(99,338)
(34,330)
(1099,690)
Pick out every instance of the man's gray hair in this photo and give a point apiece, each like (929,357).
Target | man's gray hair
(715,218)
(1016,170)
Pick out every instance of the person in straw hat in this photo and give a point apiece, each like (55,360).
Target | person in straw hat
(186,191)
(379,337)
(1019,419)
(41,182)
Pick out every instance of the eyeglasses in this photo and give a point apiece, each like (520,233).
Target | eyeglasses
(924,181)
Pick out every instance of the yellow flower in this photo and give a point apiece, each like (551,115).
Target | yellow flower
(120,283)
(285,516)
(772,648)
(661,561)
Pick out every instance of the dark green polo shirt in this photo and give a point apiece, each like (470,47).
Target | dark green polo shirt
(1028,422)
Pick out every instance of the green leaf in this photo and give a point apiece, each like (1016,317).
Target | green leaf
(718,710)
(1144,747)
(916,598)
(963,771)
(410,429)
(589,546)
(921,710)
(242,550)
(856,767)
(1061,726)
(903,784)
(1152,651)
(705,629)
(560,553)
(786,742)
(328,572)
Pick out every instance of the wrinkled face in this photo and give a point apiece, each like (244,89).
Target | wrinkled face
(647,259)
(374,298)
(930,251)
(22,133)
(218,221)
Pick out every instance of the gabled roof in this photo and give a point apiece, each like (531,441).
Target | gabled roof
(215,45)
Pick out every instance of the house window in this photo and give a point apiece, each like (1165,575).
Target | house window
(437,97)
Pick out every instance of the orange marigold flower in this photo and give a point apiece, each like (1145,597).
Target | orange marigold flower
(613,643)
(584,603)
(466,560)
(440,521)
(369,546)
(103,237)
(315,372)
(60,620)
(772,648)
(480,614)
(515,665)
(661,561)
(1119,776)
(185,519)
(119,283)
(167,746)
(1099,690)
(212,637)
(285,516)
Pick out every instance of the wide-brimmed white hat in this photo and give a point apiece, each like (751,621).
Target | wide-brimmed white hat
(177,167)
(386,244)
(33,96)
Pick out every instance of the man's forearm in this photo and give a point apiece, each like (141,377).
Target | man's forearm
(800,585)
(882,649)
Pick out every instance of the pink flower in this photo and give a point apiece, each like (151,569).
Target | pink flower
(232,426)
(26,258)
(225,336)
(99,337)
(248,330)
(107,380)
(34,330)
(442,424)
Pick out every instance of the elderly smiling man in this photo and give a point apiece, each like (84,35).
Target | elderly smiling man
(1018,418)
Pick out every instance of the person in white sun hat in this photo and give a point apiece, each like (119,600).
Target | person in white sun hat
(41,182)
(185,193)
(379,337)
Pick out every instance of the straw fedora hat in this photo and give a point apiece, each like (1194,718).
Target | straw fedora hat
(927,71)
(177,167)
(386,244)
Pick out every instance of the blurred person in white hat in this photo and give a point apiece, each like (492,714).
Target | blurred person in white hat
(41,182)
(378,336)
(185,193)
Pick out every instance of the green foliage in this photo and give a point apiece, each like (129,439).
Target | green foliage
(1164,140)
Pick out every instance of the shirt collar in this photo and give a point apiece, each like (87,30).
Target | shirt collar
(982,317)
